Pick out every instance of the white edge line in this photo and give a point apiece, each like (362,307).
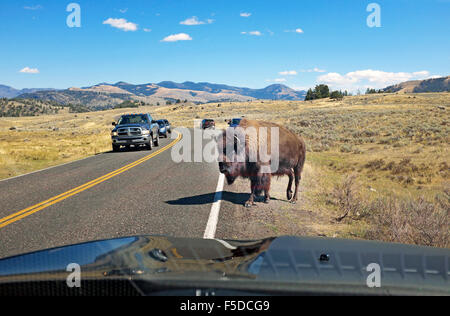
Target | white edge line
(211,226)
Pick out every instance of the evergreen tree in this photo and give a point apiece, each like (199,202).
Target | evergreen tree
(310,95)
(337,95)
(322,91)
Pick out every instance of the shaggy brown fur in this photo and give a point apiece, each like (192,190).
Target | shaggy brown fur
(292,153)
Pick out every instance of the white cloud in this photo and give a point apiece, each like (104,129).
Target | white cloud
(421,73)
(254,33)
(195,21)
(192,21)
(123,10)
(297,30)
(121,24)
(288,73)
(277,80)
(318,70)
(177,37)
(34,7)
(147,30)
(370,78)
(315,69)
(28,70)
(245,14)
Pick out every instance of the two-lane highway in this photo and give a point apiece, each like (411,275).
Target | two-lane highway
(106,196)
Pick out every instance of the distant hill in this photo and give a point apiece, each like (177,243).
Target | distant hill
(91,99)
(417,86)
(24,107)
(9,92)
(275,91)
(106,95)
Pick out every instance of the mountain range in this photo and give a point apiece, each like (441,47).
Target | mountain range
(9,92)
(106,95)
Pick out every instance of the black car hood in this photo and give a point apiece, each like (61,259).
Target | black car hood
(288,263)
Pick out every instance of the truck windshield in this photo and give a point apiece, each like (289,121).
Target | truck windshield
(133,119)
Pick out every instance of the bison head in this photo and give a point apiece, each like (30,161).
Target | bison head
(231,151)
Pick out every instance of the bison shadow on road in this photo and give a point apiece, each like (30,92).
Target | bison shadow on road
(235,198)
(201,199)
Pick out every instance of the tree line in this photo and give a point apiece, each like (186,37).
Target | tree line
(322,91)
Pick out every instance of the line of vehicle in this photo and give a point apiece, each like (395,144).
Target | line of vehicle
(58,198)
(213,219)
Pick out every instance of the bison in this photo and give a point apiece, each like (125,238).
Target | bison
(291,157)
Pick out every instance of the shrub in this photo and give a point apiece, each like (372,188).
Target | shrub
(346,149)
(347,197)
(393,219)
(127,104)
(411,221)
(375,164)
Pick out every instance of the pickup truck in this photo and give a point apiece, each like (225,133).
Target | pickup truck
(164,128)
(234,122)
(135,130)
(208,123)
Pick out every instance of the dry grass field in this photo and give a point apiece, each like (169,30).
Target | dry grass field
(377,165)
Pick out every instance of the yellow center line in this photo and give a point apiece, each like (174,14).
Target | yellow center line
(58,198)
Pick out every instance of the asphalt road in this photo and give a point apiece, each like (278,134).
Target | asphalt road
(155,196)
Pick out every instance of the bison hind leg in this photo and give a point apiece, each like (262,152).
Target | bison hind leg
(266,185)
(289,192)
(289,195)
(297,177)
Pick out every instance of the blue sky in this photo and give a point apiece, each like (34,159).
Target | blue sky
(242,43)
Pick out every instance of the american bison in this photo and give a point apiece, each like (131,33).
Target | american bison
(291,156)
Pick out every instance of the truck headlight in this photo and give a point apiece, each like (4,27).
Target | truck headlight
(113,133)
(145,132)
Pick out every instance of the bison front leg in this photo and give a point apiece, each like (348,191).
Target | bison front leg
(266,185)
(254,188)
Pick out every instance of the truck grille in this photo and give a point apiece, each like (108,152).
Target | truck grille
(129,131)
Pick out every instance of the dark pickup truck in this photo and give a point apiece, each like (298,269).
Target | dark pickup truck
(135,130)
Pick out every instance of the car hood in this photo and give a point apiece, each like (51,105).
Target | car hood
(131,125)
(291,263)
